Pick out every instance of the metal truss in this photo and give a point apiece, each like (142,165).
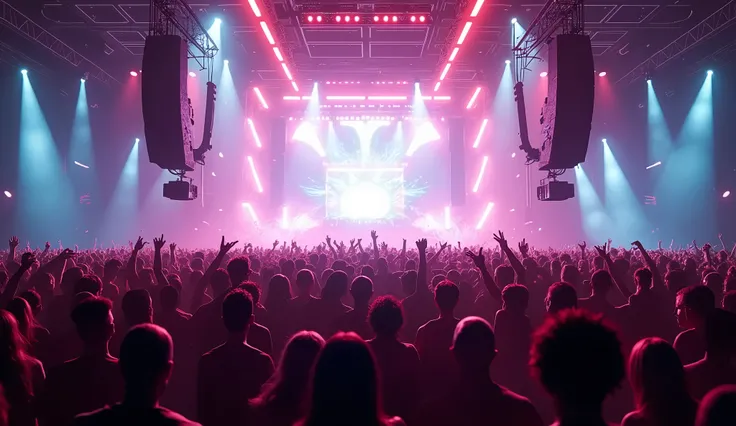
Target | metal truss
(707,28)
(14,19)
(177,17)
(556,15)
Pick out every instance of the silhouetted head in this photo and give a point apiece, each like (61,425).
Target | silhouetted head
(169,298)
(561,296)
(714,281)
(718,407)
(237,311)
(656,375)
(239,269)
(304,281)
(729,301)
(362,290)
(279,292)
(570,274)
(345,384)
(409,282)
(577,358)
(34,300)
(693,304)
(336,286)
(287,388)
(89,283)
(21,310)
(112,267)
(221,282)
(137,307)
(643,278)
(446,296)
(515,297)
(386,316)
(368,271)
(504,275)
(601,281)
(94,320)
(146,360)
(254,291)
(675,280)
(70,277)
(474,345)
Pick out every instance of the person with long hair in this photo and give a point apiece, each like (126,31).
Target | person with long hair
(279,316)
(345,388)
(283,397)
(37,337)
(21,375)
(658,380)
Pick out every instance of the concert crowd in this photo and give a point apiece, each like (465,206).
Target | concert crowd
(366,334)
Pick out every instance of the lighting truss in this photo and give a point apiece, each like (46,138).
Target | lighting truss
(170,17)
(564,16)
(14,19)
(707,28)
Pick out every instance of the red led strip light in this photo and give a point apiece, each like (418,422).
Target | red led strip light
(461,37)
(272,42)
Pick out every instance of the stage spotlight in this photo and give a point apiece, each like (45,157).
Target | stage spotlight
(347,18)
(413,19)
(8,194)
(508,62)
(602,74)
(356,19)
(319,18)
(514,21)
(422,19)
(395,19)
(375,19)
(226,62)
(543,74)
(134,73)
(24,71)
(385,18)
(710,73)
(338,18)
(310,18)
(725,194)
(218,21)
(192,74)
(221,155)
(604,141)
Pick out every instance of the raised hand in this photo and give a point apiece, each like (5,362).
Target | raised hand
(27,260)
(479,260)
(601,250)
(501,240)
(360,240)
(47,246)
(139,244)
(13,242)
(158,243)
(226,247)
(384,246)
(443,246)
(706,247)
(172,247)
(293,244)
(638,244)
(523,246)
(328,240)
(275,244)
(421,244)
(374,235)
(583,246)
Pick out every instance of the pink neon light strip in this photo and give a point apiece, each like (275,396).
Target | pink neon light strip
(254,133)
(255,174)
(261,99)
(473,98)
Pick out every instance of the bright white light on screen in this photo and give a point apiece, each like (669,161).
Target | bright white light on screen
(365,200)
(8,194)
(725,194)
